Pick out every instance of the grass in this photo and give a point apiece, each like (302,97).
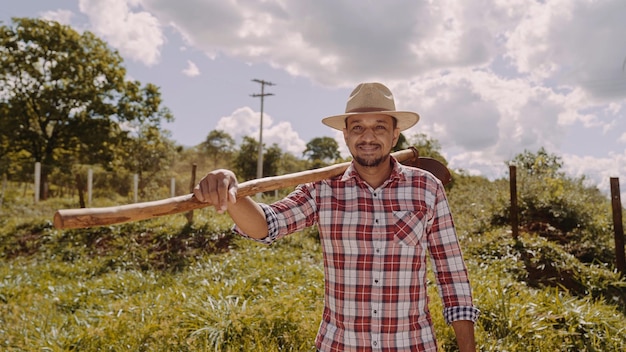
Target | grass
(165,285)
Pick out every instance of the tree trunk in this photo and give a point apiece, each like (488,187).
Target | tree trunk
(80,185)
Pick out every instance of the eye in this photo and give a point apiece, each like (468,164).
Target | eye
(357,128)
(381,128)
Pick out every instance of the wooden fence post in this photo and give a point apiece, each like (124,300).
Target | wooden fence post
(514,209)
(620,260)
(192,184)
(4,187)
(37,180)
(89,186)
(136,188)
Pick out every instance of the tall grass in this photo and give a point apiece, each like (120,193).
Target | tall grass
(165,285)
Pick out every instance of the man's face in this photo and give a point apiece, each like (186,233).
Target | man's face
(370,138)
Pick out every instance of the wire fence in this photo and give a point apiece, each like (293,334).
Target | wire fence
(615,197)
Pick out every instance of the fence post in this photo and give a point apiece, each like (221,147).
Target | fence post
(135,187)
(4,187)
(514,209)
(192,184)
(620,260)
(37,180)
(89,186)
(172,187)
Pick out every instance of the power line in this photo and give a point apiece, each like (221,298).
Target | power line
(259,165)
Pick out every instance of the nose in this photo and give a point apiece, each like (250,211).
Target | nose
(368,134)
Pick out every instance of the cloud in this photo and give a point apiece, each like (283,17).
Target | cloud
(246,122)
(137,35)
(597,171)
(61,16)
(331,42)
(191,70)
(580,43)
(490,78)
(242,122)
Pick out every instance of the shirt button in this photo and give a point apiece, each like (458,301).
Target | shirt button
(377,250)
(375,343)
(376,281)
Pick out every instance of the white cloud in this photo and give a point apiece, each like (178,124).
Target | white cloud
(246,122)
(191,70)
(336,43)
(285,137)
(577,42)
(61,16)
(598,171)
(242,122)
(137,35)
(491,78)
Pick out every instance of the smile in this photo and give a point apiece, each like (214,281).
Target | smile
(368,147)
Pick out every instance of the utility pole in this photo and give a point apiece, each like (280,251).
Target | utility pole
(259,165)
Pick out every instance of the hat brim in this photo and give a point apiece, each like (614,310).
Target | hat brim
(405,119)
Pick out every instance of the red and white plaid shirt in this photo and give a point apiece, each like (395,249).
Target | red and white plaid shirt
(374,244)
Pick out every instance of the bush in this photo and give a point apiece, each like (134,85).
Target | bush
(564,211)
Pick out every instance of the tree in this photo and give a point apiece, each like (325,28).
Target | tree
(428,147)
(246,160)
(321,151)
(540,163)
(218,144)
(150,155)
(271,160)
(401,144)
(64,98)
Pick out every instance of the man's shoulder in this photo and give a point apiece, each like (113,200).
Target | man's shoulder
(413,174)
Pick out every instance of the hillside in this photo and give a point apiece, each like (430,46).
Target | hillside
(163,285)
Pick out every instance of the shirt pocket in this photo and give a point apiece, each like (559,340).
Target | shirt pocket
(409,227)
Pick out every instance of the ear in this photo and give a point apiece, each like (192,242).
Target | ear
(396,136)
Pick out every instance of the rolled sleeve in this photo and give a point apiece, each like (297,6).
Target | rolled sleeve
(272,226)
(451,314)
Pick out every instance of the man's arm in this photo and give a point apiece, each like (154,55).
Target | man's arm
(249,217)
(219,188)
(464,331)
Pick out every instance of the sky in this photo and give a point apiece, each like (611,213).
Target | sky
(490,78)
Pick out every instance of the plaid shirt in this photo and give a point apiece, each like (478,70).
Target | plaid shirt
(374,245)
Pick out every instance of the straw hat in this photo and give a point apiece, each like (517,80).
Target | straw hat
(372,98)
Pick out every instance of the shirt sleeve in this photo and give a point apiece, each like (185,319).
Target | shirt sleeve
(295,212)
(272,226)
(448,264)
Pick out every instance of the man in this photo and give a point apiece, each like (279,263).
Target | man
(376,223)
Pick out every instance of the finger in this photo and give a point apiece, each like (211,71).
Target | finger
(223,188)
(198,192)
(232,194)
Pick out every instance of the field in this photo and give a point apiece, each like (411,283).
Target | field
(166,285)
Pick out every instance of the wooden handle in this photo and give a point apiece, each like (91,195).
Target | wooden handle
(89,217)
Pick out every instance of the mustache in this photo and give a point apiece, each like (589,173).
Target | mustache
(369,144)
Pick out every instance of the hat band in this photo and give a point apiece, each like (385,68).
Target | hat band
(365,110)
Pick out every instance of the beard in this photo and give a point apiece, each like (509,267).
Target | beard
(369,162)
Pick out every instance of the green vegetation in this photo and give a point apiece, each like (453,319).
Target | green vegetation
(65,100)
(165,285)
(172,285)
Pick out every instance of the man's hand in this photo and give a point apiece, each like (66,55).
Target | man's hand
(218,188)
